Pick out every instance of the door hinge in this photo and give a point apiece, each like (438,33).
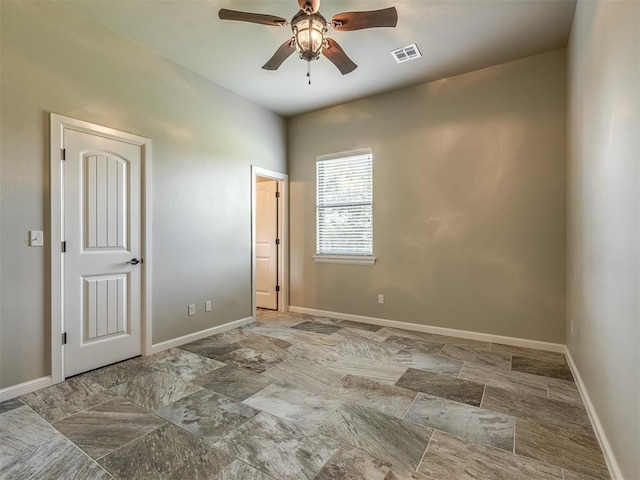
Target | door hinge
(63,247)
(64,338)
(277,288)
(277,194)
(63,154)
(277,241)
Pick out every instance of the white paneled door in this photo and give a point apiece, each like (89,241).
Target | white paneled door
(266,246)
(102,263)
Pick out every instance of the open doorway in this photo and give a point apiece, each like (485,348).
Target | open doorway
(269,240)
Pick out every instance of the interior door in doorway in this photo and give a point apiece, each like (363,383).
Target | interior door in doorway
(102,264)
(266,243)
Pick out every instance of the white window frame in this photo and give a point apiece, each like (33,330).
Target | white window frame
(353,259)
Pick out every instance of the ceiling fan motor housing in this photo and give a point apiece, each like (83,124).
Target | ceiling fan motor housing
(309,32)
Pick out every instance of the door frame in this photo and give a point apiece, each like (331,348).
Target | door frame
(283,235)
(58,124)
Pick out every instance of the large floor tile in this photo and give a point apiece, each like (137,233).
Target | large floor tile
(367,349)
(320,354)
(564,390)
(388,399)
(8,405)
(360,326)
(542,367)
(120,372)
(528,352)
(351,463)
(477,424)
(58,459)
(539,409)
(387,332)
(66,398)
(207,414)
(306,367)
(524,383)
(233,382)
(166,453)
(384,372)
(238,470)
(360,335)
(423,346)
(264,343)
(274,317)
(569,475)
(256,360)
(461,342)
(465,354)
(563,447)
(424,361)
(186,365)
(294,378)
(21,431)
(451,457)
(443,386)
(210,347)
(108,426)
(294,336)
(155,390)
(389,438)
(316,327)
(306,409)
(279,448)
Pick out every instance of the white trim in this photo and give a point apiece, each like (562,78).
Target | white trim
(192,337)
(483,337)
(57,125)
(346,259)
(348,153)
(283,235)
(24,388)
(605,446)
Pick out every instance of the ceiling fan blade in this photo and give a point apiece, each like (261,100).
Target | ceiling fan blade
(346,21)
(309,6)
(286,49)
(336,55)
(271,20)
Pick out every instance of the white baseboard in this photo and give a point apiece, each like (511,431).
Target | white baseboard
(483,337)
(192,337)
(24,388)
(612,463)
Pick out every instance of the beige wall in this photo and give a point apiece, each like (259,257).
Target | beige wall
(603,296)
(469,202)
(204,141)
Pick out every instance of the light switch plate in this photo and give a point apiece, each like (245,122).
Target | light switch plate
(36,238)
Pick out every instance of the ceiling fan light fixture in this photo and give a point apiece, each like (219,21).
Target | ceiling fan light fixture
(309,32)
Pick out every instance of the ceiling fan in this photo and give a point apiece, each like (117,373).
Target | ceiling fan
(309,29)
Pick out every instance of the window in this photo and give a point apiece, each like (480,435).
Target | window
(344,207)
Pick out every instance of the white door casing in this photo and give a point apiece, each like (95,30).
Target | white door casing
(282,180)
(266,247)
(103,301)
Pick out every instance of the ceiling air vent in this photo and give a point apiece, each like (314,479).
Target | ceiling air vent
(407,53)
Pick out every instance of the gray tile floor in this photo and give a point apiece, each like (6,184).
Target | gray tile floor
(300,397)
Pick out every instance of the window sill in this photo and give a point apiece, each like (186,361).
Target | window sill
(346,259)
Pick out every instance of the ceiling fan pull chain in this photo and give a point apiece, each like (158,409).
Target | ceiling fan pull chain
(309,72)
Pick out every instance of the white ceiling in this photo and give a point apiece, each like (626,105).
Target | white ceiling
(454,36)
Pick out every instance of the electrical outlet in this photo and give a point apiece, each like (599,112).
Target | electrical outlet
(380,298)
(571,327)
(207,306)
(192,309)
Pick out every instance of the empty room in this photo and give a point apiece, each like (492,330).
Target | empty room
(320,239)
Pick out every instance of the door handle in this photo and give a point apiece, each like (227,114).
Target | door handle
(135,261)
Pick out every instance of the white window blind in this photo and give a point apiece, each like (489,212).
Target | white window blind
(344,205)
